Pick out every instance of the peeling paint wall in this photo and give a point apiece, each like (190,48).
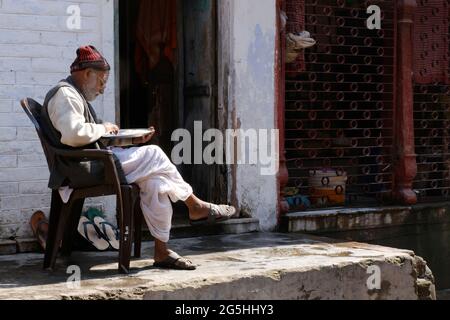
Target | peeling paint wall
(250,86)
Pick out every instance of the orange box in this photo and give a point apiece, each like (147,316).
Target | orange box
(327,196)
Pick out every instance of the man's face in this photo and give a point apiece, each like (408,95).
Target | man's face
(94,84)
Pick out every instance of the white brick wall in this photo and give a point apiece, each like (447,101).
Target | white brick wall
(36,50)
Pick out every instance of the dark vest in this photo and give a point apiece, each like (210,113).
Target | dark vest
(72,173)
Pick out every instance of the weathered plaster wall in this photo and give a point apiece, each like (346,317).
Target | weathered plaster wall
(36,50)
(251,97)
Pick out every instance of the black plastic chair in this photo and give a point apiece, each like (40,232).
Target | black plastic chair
(64,217)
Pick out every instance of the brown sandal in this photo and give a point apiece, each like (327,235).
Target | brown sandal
(176,262)
(39,225)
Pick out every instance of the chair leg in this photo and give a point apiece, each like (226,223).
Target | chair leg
(56,229)
(137,228)
(72,224)
(55,213)
(125,229)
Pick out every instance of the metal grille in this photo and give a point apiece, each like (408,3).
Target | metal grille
(432,126)
(339,111)
(431,42)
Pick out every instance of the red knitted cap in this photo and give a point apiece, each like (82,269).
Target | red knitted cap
(89,57)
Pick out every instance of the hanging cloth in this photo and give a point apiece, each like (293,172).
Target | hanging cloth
(156,35)
(295,10)
(155,57)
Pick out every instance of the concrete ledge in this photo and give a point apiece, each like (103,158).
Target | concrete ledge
(424,228)
(248,266)
(344,219)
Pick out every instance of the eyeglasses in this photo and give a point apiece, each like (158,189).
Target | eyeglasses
(103,79)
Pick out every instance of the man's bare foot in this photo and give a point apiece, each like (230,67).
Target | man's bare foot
(167,259)
(199,211)
(161,251)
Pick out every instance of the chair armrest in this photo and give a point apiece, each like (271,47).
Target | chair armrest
(90,154)
(104,156)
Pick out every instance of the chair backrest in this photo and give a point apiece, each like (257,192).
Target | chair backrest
(33,110)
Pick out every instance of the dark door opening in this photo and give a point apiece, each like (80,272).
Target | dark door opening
(167,63)
(149,67)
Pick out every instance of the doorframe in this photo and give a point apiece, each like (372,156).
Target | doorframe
(226,173)
(280,106)
(179,72)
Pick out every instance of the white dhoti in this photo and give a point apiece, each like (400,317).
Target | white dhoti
(159,182)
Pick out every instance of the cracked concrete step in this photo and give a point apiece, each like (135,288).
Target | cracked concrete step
(246,266)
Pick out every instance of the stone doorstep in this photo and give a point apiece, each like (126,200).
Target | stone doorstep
(232,226)
(179,230)
(344,219)
(7,247)
(247,266)
(28,245)
(19,246)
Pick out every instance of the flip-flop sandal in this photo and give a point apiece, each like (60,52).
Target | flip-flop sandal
(88,231)
(217,213)
(175,262)
(37,223)
(109,231)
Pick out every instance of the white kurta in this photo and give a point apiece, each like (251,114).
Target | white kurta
(159,182)
(148,166)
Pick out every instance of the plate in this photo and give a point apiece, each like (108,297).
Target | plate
(128,133)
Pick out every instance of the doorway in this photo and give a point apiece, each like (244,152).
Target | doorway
(149,70)
(168,75)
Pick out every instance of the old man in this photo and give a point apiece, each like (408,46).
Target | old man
(72,123)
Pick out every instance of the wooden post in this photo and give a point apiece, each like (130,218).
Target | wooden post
(405,166)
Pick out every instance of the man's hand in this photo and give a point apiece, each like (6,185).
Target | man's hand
(145,139)
(111,128)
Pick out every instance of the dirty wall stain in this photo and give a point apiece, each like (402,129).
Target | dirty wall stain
(261,60)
